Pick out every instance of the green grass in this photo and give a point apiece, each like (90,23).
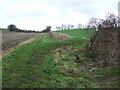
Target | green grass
(47,63)
(80,33)
(31,62)
(3,29)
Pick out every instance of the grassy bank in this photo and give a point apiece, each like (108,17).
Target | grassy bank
(80,33)
(50,63)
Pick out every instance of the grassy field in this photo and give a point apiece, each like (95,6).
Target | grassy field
(80,33)
(48,62)
(3,29)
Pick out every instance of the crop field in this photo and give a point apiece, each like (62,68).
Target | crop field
(51,61)
(11,39)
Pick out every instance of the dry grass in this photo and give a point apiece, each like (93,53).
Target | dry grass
(60,36)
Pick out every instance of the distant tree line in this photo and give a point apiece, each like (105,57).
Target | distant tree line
(48,29)
(12,27)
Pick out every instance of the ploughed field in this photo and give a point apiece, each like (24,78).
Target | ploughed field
(11,39)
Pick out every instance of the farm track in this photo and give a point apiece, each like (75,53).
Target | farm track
(11,39)
(49,62)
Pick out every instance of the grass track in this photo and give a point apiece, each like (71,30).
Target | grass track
(49,63)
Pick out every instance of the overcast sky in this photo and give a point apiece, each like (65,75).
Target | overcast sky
(36,14)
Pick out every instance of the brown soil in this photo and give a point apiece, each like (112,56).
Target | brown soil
(11,39)
(11,49)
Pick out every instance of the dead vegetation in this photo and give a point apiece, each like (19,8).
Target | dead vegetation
(59,36)
(85,68)
(104,44)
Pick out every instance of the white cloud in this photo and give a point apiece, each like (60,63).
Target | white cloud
(36,14)
(77,17)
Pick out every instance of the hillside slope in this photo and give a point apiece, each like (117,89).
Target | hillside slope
(48,62)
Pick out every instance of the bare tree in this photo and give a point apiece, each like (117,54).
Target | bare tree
(72,26)
(79,26)
(93,23)
(69,26)
(48,29)
(110,21)
(100,46)
(57,27)
(63,27)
